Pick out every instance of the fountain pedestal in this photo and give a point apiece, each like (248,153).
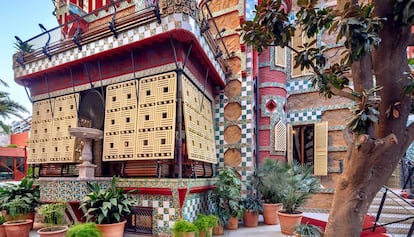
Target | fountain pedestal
(86,169)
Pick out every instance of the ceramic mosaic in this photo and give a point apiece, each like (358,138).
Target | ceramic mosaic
(168,23)
(194,205)
(311,114)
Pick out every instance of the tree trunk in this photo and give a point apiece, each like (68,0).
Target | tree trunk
(372,157)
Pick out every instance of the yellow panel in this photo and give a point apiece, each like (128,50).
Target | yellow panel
(280,136)
(321,149)
(280,56)
(156,117)
(62,150)
(120,121)
(199,124)
(66,106)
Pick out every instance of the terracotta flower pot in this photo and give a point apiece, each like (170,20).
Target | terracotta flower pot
(288,222)
(112,230)
(18,228)
(186,234)
(232,223)
(270,213)
(2,231)
(206,233)
(219,230)
(56,231)
(250,219)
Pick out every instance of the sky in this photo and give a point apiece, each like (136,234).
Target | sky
(20,19)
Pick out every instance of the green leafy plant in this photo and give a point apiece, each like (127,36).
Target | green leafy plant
(53,215)
(253,203)
(84,230)
(308,230)
(183,226)
(107,206)
(23,46)
(268,174)
(297,187)
(25,191)
(205,222)
(2,219)
(17,209)
(227,196)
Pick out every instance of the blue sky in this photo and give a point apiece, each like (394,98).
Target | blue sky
(22,19)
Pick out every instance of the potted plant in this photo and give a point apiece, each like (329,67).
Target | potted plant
(227,198)
(25,191)
(298,185)
(270,172)
(205,224)
(184,228)
(2,220)
(253,206)
(88,229)
(53,216)
(308,230)
(18,225)
(108,208)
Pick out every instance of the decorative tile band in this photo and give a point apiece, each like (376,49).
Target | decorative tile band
(312,114)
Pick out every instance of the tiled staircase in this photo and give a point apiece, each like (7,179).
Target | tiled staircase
(395,209)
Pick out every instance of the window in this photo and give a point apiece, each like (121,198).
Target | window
(298,42)
(308,145)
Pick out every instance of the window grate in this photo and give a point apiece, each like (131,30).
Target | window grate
(140,220)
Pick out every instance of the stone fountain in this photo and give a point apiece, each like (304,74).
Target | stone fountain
(86,169)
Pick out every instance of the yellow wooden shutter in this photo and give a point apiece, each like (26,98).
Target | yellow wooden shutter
(321,149)
(306,40)
(280,136)
(280,56)
(289,150)
(296,42)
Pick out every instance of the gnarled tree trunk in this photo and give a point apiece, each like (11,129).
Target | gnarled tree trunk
(372,157)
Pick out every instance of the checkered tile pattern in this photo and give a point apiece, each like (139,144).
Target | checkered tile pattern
(303,115)
(194,205)
(299,86)
(168,23)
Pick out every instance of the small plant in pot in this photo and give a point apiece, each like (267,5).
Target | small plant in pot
(17,209)
(227,198)
(205,224)
(108,208)
(270,172)
(25,191)
(308,230)
(253,206)
(88,229)
(53,216)
(184,228)
(298,185)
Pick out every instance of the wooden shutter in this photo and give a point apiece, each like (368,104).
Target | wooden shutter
(298,42)
(280,56)
(289,150)
(280,136)
(321,149)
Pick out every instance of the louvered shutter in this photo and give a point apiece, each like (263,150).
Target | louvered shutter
(321,149)
(296,42)
(280,136)
(289,150)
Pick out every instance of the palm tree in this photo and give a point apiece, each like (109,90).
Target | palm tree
(9,107)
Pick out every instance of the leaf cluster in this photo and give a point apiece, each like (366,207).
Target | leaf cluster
(25,194)
(88,229)
(268,174)
(107,206)
(53,213)
(404,11)
(253,203)
(183,226)
(204,222)
(308,230)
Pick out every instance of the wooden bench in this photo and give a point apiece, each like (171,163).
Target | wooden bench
(144,168)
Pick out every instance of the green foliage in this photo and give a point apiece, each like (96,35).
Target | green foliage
(360,31)
(23,46)
(12,146)
(204,222)
(53,213)
(25,192)
(2,219)
(17,209)
(314,19)
(8,107)
(253,203)
(308,230)
(296,187)
(84,230)
(227,195)
(404,11)
(107,206)
(183,226)
(269,173)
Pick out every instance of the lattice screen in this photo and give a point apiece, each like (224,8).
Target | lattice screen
(280,136)
(156,117)
(120,121)
(49,138)
(198,120)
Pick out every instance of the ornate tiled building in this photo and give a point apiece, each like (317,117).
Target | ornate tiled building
(174,95)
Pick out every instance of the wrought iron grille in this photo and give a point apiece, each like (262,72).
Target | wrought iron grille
(140,220)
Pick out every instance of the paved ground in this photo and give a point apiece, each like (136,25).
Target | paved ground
(261,231)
